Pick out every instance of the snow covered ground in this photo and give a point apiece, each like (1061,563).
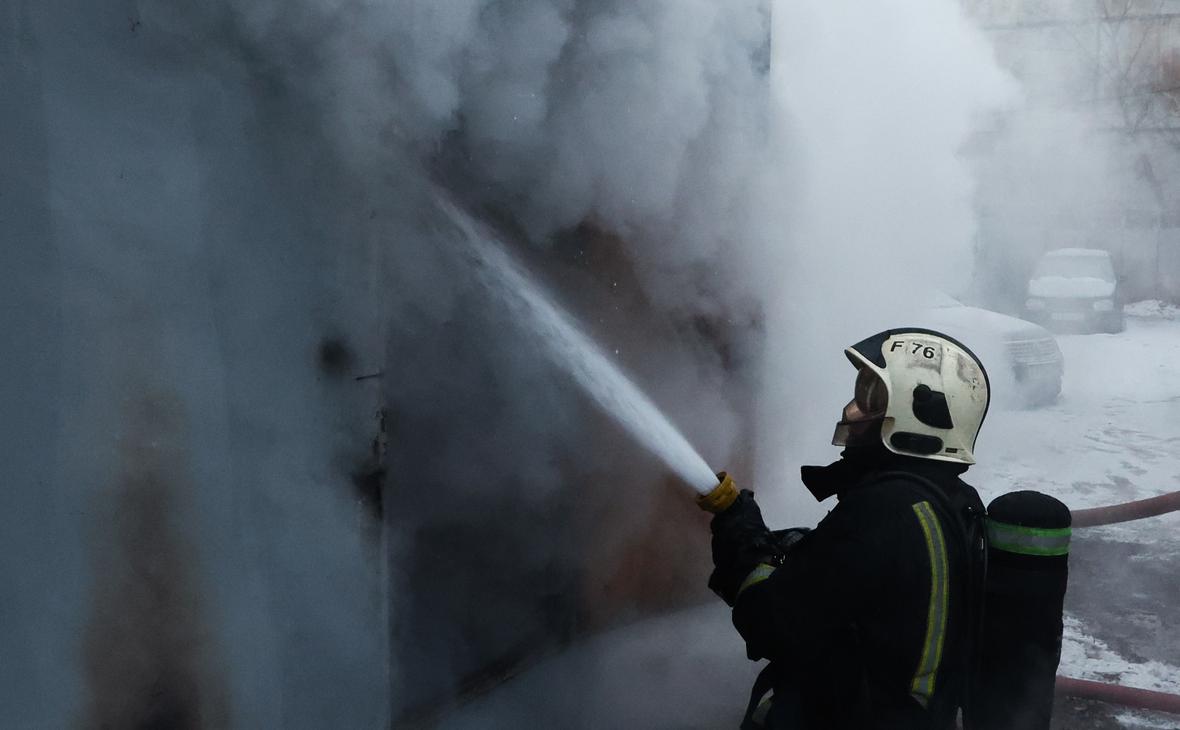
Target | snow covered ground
(1087,657)
(1113,436)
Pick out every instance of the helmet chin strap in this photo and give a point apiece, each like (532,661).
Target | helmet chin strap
(867,448)
(858,459)
(856,433)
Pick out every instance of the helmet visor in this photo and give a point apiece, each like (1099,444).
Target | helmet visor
(870,397)
(869,401)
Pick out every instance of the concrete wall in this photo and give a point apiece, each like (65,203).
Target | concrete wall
(179,542)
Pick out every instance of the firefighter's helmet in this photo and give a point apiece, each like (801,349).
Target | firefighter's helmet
(920,392)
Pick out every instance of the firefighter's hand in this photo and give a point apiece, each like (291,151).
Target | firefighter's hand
(742,515)
(741,541)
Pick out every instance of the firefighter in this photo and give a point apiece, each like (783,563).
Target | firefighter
(866,619)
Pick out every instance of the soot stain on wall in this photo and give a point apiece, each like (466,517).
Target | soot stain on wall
(149,660)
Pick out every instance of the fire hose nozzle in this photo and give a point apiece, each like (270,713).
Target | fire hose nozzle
(722,495)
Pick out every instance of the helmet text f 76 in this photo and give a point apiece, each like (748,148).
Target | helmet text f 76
(928,393)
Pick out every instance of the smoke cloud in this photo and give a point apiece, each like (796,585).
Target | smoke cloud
(647,118)
(882,204)
(239,201)
(1081,157)
(665,124)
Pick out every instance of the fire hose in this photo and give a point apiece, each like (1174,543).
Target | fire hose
(1115,694)
(1137,510)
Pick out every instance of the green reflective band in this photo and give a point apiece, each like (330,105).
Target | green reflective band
(756,576)
(1040,541)
(758,718)
(922,688)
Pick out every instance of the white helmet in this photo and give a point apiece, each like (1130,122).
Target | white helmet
(927,392)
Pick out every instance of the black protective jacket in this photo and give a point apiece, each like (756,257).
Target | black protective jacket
(865,620)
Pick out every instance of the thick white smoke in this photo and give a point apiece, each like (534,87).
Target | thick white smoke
(645,117)
(207,236)
(825,190)
(873,195)
(1083,157)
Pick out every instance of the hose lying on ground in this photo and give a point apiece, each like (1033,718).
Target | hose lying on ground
(1116,694)
(1128,511)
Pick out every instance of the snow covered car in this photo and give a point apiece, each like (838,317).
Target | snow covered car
(1034,365)
(1075,290)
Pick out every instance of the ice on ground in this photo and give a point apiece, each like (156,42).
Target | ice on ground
(1142,721)
(1086,657)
